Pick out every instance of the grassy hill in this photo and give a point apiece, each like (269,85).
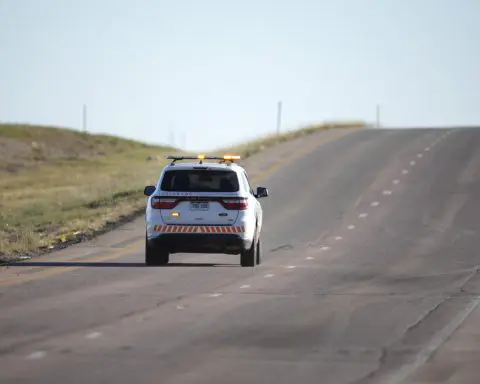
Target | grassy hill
(59,186)
(24,146)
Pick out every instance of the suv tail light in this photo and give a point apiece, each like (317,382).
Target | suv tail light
(237,203)
(164,203)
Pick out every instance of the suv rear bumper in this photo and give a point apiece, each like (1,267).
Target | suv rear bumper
(200,243)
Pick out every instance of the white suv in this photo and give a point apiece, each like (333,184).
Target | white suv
(203,207)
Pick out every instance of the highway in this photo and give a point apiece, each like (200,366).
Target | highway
(369,275)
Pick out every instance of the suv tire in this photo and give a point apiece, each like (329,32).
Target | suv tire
(153,257)
(259,252)
(249,256)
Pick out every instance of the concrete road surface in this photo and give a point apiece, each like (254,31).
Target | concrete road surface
(371,252)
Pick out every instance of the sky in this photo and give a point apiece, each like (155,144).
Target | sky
(206,74)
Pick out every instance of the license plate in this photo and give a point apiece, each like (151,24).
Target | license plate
(199,206)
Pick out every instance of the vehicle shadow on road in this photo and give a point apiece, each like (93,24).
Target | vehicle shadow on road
(112,264)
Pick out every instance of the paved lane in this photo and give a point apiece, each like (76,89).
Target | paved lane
(370,262)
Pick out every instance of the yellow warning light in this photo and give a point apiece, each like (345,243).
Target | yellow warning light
(231,157)
(201,157)
(175,214)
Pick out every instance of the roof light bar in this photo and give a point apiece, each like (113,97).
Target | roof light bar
(231,157)
(202,157)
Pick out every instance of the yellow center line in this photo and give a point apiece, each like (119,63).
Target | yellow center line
(295,155)
(34,267)
(51,271)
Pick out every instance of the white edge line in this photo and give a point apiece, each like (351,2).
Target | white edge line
(434,344)
(93,335)
(37,355)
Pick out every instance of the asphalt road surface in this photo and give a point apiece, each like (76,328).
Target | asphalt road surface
(370,259)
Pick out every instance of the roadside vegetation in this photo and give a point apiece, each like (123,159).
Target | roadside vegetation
(59,186)
(252,147)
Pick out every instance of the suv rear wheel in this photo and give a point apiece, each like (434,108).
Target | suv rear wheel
(259,252)
(154,257)
(249,257)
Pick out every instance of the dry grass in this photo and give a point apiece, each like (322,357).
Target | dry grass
(69,195)
(69,186)
(252,147)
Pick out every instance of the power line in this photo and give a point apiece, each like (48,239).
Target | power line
(279,116)
(378,116)
(84,118)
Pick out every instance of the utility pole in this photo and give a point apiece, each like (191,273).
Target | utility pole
(378,116)
(279,117)
(184,141)
(84,118)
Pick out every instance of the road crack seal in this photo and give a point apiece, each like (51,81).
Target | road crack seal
(285,247)
(427,352)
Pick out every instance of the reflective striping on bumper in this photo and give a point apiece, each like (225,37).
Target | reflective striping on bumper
(198,229)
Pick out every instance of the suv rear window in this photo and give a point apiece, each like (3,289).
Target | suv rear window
(194,180)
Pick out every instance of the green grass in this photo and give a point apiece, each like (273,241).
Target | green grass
(59,186)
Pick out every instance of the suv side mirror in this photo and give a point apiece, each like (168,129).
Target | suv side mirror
(261,192)
(149,190)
